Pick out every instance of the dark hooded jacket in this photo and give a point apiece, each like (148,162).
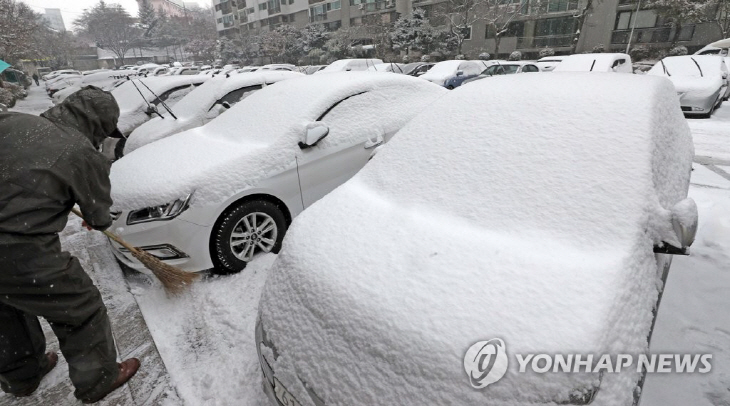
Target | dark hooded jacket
(51,162)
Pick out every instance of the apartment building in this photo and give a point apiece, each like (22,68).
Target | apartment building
(173,8)
(535,24)
(54,19)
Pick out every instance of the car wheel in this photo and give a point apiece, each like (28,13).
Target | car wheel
(245,230)
(450,87)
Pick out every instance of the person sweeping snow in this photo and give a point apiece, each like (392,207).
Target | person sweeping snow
(48,164)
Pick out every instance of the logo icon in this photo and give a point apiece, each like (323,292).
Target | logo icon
(485,362)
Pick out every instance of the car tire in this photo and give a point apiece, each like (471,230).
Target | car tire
(450,87)
(244,230)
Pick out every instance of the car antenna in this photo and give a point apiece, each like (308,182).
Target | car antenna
(161,101)
(665,68)
(149,107)
(592,65)
(698,66)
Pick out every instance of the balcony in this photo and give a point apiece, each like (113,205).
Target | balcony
(642,36)
(552,41)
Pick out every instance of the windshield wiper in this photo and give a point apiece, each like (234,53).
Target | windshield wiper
(698,66)
(665,68)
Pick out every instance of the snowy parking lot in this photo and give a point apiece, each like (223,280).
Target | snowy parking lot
(206,336)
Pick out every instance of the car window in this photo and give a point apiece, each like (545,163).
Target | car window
(358,117)
(470,68)
(172,96)
(237,95)
(530,68)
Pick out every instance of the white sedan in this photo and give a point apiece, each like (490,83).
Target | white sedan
(216,195)
(471,240)
(202,105)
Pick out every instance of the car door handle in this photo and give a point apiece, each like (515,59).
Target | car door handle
(374,142)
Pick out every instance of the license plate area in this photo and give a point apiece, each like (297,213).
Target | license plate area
(283,395)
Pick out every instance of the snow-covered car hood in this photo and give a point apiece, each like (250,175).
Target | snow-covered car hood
(441,71)
(685,84)
(191,110)
(245,145)
(464,229)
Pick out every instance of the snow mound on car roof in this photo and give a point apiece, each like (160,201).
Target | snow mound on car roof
(255,138)
(522,207)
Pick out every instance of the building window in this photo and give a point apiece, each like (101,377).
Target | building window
(644,19)
(250,10)
(561,5)
(515,29)
(220,21)
(356,21)
(318,13)
(555,26)
(333,26)
(336,5)
(262,6)
(466,32)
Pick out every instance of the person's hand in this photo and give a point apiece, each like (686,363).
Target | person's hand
(88,227)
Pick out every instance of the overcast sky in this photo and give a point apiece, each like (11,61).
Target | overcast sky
(72,9)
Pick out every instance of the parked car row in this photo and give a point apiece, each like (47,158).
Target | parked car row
(339,171)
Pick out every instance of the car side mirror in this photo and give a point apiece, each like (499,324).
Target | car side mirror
(459,73)
(724,75)
(226,105)
(151,110)
(315,133)
(684,223)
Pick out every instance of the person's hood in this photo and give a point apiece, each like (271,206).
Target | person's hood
(91,111)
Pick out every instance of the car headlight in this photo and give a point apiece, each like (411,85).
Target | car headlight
(159,213)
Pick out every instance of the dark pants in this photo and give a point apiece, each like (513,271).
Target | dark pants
(37,279)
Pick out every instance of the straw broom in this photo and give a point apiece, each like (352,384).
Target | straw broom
(174,280)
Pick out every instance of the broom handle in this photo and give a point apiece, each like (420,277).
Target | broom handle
(108,233)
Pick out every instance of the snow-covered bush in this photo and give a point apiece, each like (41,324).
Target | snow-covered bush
(426,58)
(406,59)
(639,52)
(18,91)
(600,48)
(546,52)
(6,97)
(678,51)
(460,57)
(515,56)
(484,56)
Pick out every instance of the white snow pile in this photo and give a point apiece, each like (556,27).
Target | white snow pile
(132,104)
(593,63)
(259,137)
(194,109)
(691,72)
(496,213)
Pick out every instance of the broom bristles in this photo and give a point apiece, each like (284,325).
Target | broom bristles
(174,280)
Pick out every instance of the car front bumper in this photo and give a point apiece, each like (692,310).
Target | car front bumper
(697,104)
(177,242)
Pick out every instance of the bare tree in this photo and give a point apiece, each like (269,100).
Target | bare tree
(110,26)
(682,12)
(498,17)
(19,26)
(461,15)
(723,17)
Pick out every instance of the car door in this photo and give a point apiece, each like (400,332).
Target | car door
(354,133)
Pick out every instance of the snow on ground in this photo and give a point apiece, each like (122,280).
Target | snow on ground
(206,336)
(712,136)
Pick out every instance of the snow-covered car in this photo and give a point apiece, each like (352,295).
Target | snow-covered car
(352,64)
(506,68)
(106,80)
(451,74)
(548,63)
(596,63)
(721,47)
(202,105)
(216,195)
(247,69)
(279,66)
(136,108)
(417,68)
(701,81)
(473,225)
(62,82)
(387,67)
(58,73)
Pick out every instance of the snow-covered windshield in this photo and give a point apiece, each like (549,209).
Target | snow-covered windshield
(686,65)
